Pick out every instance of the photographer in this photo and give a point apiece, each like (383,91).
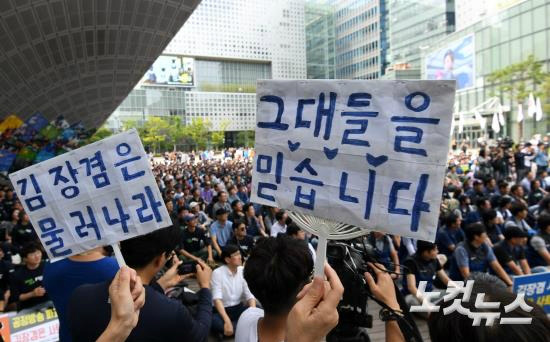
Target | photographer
(161,318)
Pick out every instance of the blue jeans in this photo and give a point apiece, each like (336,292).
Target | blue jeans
(234,312)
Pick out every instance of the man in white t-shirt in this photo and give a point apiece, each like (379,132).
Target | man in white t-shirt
(276,270)
(280,223)
(229,289)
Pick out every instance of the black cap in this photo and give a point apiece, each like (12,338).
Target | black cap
(221,211)
(513,231)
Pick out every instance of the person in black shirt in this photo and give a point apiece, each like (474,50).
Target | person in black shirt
(161,318)
(241,239)
(23,232)
(26,283)
(6,272)
(510,253)
(422,266)
(9,201)
(195,242)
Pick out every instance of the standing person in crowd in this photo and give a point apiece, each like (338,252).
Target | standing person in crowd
(229,290)
(221,230)
(510,252)
(279,226)
(161,318)
(26,284)
(195,242)
(474,255)
(62,277)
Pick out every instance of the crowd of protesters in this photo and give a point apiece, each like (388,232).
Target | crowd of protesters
(495,218)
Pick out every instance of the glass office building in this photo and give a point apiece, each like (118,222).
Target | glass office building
(414,26)
(209,70)
(320,40)
(506,38)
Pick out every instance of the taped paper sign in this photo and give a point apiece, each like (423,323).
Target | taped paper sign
(366,153)
(96,195)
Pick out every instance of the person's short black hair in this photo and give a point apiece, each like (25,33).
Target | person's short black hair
(450,219)
(504,200)
(141,250)
(543,222)
(279,215)
(514,188)
(29,248)
(237,223)
(292,229)
(234,203)
(276,270)
(422,246)
(228,250)
(488,215)
(246,206)
(456,327)
(473,230)
(480,201)
(517,207)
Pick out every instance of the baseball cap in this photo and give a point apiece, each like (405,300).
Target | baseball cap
(193,204)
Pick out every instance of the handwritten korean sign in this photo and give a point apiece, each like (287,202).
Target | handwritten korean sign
(367,153)
(93,196)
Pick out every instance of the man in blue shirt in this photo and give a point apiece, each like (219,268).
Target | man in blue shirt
(474,255)
(62,277)
(221,230)
(449,235)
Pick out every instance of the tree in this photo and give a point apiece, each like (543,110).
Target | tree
(516,81)
(102,133)
(218,137)
(245,139)
(198,132)
(156,131)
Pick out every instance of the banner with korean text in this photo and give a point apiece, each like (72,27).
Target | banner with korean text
(367,153)
(96,195)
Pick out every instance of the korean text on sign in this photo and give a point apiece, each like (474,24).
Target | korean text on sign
(93,196)
(367,153)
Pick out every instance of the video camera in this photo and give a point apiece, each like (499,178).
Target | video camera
(349,259)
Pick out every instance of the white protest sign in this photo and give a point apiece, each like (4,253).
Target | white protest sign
(96,195)
(367,153)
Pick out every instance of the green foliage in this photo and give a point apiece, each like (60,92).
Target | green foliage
(218,137)
(245,138)
(100,134)
(517,80)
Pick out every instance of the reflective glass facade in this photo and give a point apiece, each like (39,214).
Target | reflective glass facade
(506,38)
(227,76)
(320,40)
(417,24)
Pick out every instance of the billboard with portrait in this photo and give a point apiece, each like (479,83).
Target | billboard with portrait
(456,61)
(171,71)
